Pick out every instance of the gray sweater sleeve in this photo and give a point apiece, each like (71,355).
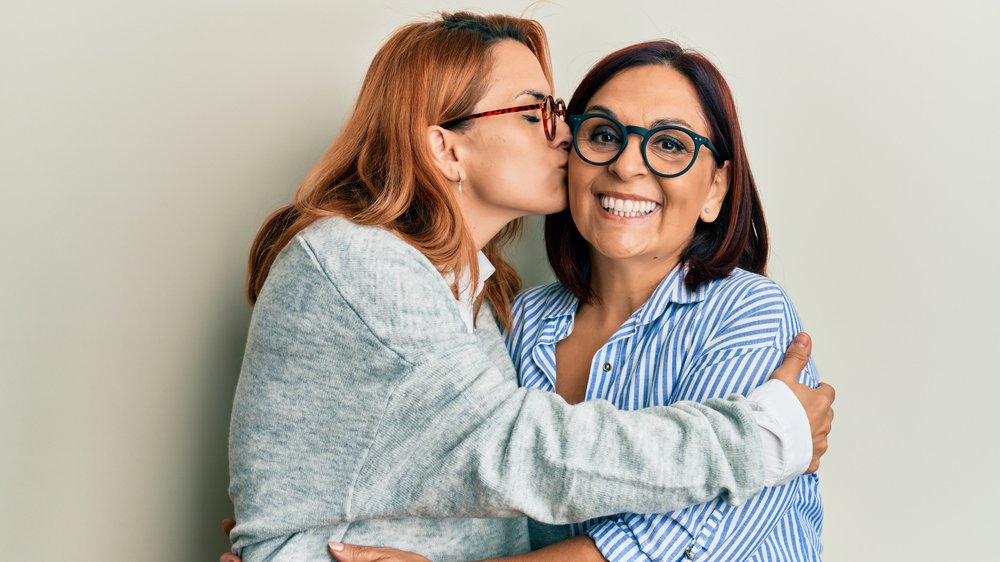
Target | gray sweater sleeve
(362,396)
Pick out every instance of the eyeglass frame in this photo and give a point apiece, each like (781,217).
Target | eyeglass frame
(575,121)
(557,103)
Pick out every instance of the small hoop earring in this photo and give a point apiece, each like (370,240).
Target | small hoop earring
(460,182)
(708,210)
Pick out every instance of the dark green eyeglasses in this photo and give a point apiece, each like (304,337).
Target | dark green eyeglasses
(668,151)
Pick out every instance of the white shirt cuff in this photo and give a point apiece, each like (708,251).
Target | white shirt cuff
(784,432)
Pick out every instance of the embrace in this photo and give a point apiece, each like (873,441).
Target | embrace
(402,398)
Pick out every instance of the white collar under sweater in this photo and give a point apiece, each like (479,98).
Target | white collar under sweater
(466,297)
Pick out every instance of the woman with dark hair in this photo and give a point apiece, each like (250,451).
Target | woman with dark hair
(373,406)
(661,259)
(661,295)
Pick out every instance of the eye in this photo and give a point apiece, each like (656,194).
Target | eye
(604,134)
(665,143)
(532,118)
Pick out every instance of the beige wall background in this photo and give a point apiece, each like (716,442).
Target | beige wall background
(141,144)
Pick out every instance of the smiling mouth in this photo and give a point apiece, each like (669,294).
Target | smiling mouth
(627,208)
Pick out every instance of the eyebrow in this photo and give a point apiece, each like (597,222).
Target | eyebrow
(669,121)
(664,122)
(533,93)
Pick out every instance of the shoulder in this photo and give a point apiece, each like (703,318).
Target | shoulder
(538,299)
(741,291)
(369,261)
(532,304)
(751,306)
(349,250)
(528,309)
(743,286)
(386,283)
(361,262)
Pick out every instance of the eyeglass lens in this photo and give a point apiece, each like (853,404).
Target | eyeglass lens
(552,110)
(549,117)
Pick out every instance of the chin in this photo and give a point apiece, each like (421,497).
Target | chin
(552,205)
(618,251)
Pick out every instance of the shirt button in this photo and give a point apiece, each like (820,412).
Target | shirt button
(607,367)
(689,553)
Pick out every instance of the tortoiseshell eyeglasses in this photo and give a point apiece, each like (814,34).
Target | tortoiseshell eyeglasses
(552,109)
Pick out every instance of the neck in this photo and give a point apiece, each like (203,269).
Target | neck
(623,285)
(482,223)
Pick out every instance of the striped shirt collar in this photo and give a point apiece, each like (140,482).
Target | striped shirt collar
(671,289)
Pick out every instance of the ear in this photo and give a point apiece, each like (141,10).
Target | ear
(716,193)
(443,148)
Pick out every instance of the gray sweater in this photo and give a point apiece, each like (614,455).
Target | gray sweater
(365,413)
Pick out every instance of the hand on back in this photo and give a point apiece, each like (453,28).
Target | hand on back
(818,402)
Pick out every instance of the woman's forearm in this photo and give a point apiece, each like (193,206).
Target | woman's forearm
(578,549)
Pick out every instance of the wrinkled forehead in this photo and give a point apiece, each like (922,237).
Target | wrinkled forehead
(650,96)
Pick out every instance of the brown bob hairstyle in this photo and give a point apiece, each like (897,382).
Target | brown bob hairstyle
(380,171)
(737,238)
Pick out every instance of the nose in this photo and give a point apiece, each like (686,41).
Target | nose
(629,163)
(562,137)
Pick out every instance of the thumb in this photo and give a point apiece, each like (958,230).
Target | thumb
(352,552)
(796,358)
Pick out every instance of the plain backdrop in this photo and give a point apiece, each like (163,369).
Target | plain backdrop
(142,143)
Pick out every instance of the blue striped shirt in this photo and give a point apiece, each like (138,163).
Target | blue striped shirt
(725,337)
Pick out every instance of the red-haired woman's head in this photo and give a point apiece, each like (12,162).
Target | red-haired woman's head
(659,172)
(392,163)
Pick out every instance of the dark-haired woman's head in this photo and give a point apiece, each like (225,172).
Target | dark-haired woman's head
(658,173)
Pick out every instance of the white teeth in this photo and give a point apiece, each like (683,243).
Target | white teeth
(629,208)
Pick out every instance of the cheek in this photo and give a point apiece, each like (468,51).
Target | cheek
(686,195)
(680,217)
(518,157)
(503,169)
(682,208)
(522,174)
(580,177)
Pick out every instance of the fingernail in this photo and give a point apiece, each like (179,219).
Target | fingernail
(800,340)
(336,546)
